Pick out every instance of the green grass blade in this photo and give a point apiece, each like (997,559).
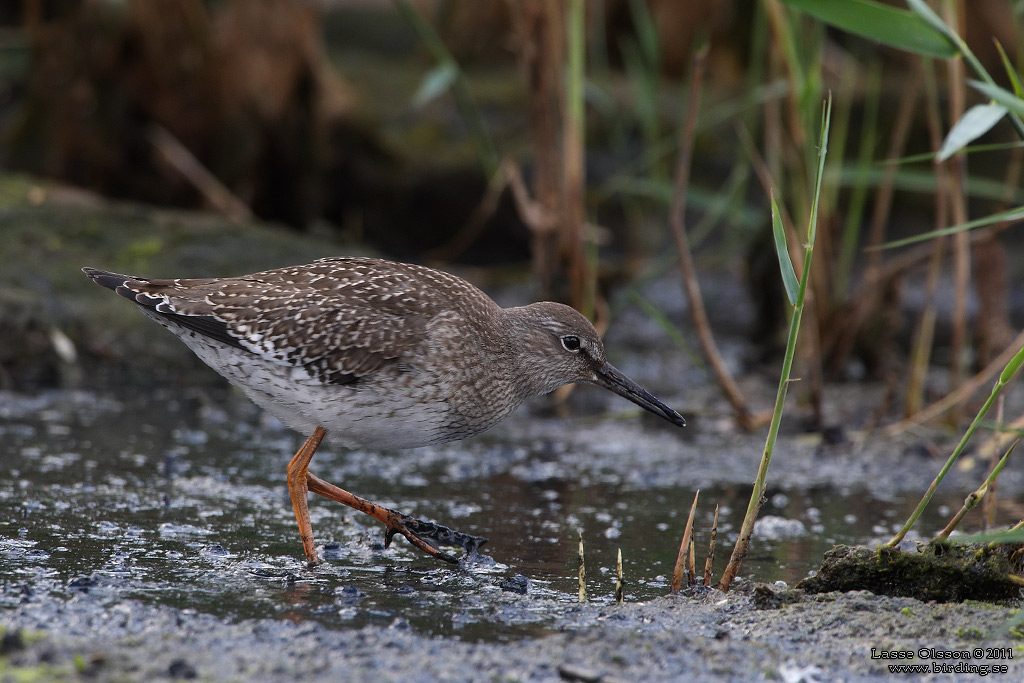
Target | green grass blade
(1000,96)
(921,9)
(972,149)
(1013,367)
(1005,536)
(881,23)
(1010,71)
(977,121)
(858,195)
(789,277)
(1008,373)
(812,224)
(754,505)
(435,83)
(1015,214)
(923,181)
(670,330)
(646,31)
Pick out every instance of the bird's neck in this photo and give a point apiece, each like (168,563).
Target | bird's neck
(521,343)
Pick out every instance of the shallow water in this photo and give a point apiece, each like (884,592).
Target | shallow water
(176,497)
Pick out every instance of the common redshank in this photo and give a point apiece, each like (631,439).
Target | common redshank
(377,354)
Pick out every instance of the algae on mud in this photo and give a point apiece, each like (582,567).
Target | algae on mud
(944,572)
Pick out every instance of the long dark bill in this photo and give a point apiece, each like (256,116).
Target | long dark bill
(610,378)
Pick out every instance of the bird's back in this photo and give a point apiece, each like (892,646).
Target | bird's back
(375,351)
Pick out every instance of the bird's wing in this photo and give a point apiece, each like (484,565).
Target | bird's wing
(340,319)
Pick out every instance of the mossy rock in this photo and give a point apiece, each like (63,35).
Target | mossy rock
(49,233)
(943,573)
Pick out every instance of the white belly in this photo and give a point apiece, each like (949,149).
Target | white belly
(365,414)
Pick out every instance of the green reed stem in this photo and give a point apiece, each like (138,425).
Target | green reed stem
(753,507)
(1005,376)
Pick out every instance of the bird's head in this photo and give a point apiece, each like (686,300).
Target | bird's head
(558,346)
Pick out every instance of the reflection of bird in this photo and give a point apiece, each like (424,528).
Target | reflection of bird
(377,355)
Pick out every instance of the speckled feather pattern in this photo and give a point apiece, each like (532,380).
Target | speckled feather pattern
(340,318)
(382,354)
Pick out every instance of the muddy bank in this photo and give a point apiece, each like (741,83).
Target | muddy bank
(148,536)
(706,635)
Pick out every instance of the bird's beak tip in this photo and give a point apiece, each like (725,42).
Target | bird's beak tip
(610,378)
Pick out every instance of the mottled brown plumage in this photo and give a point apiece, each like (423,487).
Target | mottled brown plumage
(381,354)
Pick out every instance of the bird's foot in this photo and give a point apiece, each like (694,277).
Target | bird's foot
(427,536)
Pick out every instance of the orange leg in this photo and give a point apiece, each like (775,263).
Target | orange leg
(298,470)
(418,532)
(395,522)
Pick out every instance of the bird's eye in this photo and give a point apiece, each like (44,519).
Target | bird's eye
(571,343)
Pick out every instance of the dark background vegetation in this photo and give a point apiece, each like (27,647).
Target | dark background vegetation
(436,131)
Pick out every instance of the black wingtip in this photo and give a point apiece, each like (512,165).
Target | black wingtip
(115,282)
(105,278)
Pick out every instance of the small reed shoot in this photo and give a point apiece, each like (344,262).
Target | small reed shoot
(682,562)
(711,549)
(619,586)
(975,497)
(691,564)
(1008,373)
(583,571)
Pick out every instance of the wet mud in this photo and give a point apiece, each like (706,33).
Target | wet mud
(147,535)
